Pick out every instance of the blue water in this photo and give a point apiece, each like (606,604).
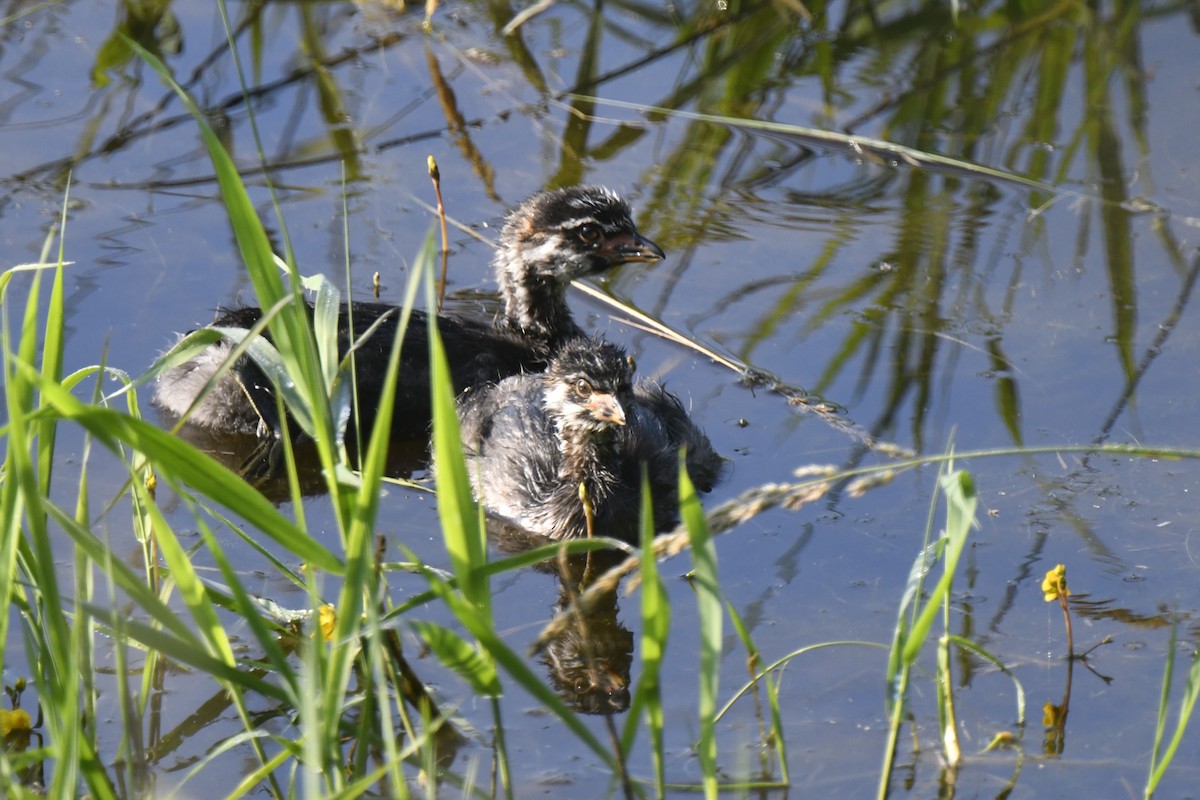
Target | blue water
(933,306)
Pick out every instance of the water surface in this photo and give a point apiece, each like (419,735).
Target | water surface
(931,304)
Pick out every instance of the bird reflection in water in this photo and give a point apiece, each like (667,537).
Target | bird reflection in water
(589,661)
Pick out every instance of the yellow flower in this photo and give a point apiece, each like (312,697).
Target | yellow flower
(328,619)
(15,721)
(1053,716)
(1054,585)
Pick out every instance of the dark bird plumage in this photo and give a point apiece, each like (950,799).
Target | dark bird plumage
(549,240)
(532,439)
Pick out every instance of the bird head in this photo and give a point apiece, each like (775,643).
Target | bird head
(587,383)
(565,234)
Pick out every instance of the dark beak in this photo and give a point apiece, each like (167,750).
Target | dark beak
(605,408)
(622,248)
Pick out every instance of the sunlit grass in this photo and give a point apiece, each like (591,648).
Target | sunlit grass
(348,682)
(915,621)
(357,717)
(1161,759)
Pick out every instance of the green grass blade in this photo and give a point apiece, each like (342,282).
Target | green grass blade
(326,310)
(204,474)
(775,735)
(708,606)
(783,661)
(656,627)
(123,576)
(463,534)
(52,350)
(246,608)
(517,667)
(207,627)
(979,652)
(185,652)
(1164,697)
(960,516)
(456,654)
(247,227)
(17,397)
(291,331)
(273,364)
(361,591)
(1191,691)
(56,669)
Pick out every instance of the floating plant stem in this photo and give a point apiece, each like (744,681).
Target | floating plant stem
(436,176)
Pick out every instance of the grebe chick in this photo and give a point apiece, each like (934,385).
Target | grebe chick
(549,240)
(532,439)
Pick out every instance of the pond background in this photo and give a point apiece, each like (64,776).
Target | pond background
(931,305)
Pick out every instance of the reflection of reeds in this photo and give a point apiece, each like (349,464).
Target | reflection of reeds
(310,679)
(343,729)
(962,88)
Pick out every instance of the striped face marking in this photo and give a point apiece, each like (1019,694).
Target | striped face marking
(587,384)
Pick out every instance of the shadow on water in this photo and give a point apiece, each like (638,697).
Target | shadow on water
(248,455)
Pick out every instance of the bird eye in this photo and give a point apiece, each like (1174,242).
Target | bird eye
(583,388)
(589,234)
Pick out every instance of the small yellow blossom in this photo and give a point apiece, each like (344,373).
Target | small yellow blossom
(1054,585)
(1053,716)
(328,619)
(15,721)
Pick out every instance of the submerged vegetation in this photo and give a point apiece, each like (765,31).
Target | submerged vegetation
(331,665)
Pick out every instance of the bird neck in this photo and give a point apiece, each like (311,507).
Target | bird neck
(585,456)
(535,307)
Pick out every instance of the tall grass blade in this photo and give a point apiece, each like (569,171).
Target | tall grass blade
(997,664)
(190,653)
(204,475)
(291,332)
(656,627)
(326,310)
(463,528)
(24,481)
(517,667)
(208,625)
(463,534)
(913,621)
(246,608)
(52,348)
(708,607)
(773,735)
(1191,690)
(55,663)
(959,491)
(1164,698)
(456,654)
